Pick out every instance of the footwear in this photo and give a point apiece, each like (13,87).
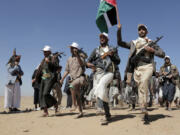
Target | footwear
(132,109)
(169,109)
(104,121)
(99,112)
(167,105)
(15,110)
(150,105)
(144,110)
(10,110)
(146,122)
(79,116)
(108,118)
(52,108)
(38,109)
(146,119)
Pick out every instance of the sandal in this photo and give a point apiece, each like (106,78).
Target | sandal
(104,122)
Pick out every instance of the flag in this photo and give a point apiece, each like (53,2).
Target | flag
(106,16)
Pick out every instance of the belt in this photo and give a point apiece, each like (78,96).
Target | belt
(46,76)
(141,63)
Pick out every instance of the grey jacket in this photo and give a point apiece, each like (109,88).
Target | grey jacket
(115,58)
(158,51)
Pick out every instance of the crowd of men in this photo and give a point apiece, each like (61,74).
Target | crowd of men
(142,84)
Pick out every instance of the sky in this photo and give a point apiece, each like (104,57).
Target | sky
(29,25)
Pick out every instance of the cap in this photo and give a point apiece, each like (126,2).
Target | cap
(142,25)
(166,57)
(46,48)
(75,45)
(104,34)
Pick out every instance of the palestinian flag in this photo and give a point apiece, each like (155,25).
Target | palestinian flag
(106,16)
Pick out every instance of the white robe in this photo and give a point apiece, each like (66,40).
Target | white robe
(101,82)
(12,96)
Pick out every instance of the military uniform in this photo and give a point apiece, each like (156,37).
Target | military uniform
(144,70)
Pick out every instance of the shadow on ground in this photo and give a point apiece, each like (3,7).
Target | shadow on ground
(63,114)
(121,117)
(156,117)
(17,112)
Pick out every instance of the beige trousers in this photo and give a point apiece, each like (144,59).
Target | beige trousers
(142,74)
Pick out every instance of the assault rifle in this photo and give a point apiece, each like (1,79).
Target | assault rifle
(82,53)
(139,56)
(162,78)
(104,61)
(55,58)
(12,58)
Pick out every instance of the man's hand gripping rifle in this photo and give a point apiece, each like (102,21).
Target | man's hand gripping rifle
(139,56)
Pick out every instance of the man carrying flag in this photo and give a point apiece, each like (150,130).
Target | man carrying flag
(106,16)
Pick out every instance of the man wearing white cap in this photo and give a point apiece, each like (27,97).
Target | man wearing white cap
(104,61)
(170,82)
(145,65)
(75,67)
(47,74)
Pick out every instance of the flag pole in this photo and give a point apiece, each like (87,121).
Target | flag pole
(117,13)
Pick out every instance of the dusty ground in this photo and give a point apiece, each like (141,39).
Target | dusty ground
(124,122)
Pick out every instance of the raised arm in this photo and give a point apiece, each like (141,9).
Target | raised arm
(120,42)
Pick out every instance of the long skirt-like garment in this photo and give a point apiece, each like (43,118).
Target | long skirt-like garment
(12,97)
(46,99)
(101,87)
(177,94)
(169,90)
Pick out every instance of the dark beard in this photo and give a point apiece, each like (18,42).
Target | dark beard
(167,64)
(103,44)
(143,36)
